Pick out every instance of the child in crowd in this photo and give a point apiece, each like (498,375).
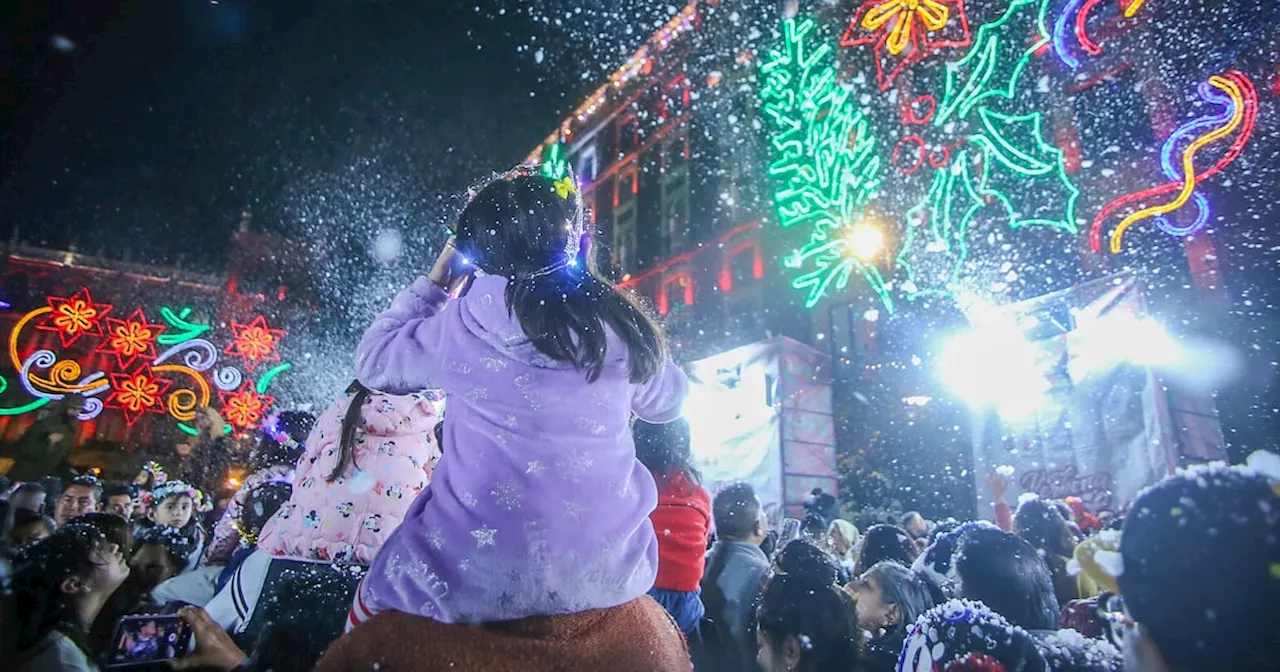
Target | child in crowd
(539,506)
(174,504)
(682,519)
(160,553)
(148,479)
(28,527)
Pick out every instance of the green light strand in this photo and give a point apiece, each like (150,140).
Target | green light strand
(554,165)
(19,410)
(1007,168)
(824,168)
(994,45)
(188,429)
(185,330)
(946,247)
(270,374)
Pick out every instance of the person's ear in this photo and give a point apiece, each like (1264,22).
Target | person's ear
(893,615)
(151,513)
(791,653)
(74,585)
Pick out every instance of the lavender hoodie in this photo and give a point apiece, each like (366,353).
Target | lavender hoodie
(538,505)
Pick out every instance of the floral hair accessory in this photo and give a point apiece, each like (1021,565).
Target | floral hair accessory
(177,489)
(157,472)
(565,187)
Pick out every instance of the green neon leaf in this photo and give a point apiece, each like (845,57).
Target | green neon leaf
(187,429)
(19,410)
(1024,173)
(935,245)
(554,165)
(270,374)
(180,330)
(824,167)
(992,66)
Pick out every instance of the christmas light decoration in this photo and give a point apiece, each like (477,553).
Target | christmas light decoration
(1241,100)
(137,393)
(265,381)
(903,32)
(824,168)
(75,316)
(553,164)
(1060,29)
(1131,7)
(181,330)
(996,45)
(1082,34)
(130,337)
(245,407)
(255,342)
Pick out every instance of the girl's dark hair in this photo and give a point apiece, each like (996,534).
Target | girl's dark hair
(39,572)
(519,227)
(286,444)
(820,615)
(907,589)
(1006,573)
(664,449)
(262,502)
(885,543)
(177,546)
(802,558)
(350,425)
(117,530)
(1042,524)
(438,430)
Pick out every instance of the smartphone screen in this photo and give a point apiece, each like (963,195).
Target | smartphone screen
(149,638)
(790,532)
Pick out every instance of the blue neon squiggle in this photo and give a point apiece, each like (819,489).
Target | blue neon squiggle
(1060,29)
(1186,133)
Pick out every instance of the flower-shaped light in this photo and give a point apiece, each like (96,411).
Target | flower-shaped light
(255,342)
(75,316)
(131,337)
(245,407)
(136,393)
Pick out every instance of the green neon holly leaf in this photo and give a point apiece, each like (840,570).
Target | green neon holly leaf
(999,55)
(824,167)
(1023,172)
(180,330)
(935,244)
(554,165)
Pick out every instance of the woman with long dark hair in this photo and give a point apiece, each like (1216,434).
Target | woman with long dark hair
(806,625)
(61,583)
(682,519)
(890,597)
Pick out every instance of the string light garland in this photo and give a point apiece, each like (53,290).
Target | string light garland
(824,167)
(1242,101)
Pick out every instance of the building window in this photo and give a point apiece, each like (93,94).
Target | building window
(675,98)
(625,188)
(676,291)
(628,135)
(742,263)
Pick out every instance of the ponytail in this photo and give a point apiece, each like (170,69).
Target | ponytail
(347,435)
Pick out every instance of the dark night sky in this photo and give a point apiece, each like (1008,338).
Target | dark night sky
(165,119)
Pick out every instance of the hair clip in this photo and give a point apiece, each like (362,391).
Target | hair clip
(565,186)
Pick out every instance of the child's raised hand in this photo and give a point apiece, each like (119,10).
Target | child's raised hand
(442,272)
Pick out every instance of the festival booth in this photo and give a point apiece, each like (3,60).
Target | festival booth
(761,413)
(1102,423)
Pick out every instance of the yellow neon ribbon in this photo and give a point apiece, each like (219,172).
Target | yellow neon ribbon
(933,15)
(1134,6)
(183,408)
(1188,164)
(565,187)
(61,374)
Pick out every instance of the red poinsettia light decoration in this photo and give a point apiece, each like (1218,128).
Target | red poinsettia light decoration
(136,393)
(245,407)
(255,342)
(131,337)
(75,316)
(903,32)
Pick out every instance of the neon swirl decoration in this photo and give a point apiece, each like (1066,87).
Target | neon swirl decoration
(1060,29)
(200,355)
(1243,108)
(227,378)
(183,402)
(1082,34)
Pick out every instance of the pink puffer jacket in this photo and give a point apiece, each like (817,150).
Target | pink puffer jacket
(347,520)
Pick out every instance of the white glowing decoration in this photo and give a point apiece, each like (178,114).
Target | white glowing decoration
(993,365)
(865,241)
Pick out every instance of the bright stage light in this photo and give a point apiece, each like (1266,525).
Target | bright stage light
(992,365)
(865,241)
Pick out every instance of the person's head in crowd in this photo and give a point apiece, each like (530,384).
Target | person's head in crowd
(915,525)
(529,228)
(118,500)
(890,597)
(62,582)
(664,450)
(81,496)
(964,636)
(1006,573)
(151,475)
(283,440)
(6,484)
(842,538)
(173,504)
(881,543)
(209,424)
(260,505)
(1200,556)
(806,626)
(117,530)
(29,527)
(159,554)
(803,558)
(823,504)
(737,515)
(29,496)
(1040,522)
(813,528)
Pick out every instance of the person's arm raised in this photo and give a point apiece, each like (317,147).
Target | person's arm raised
(661,398)
(400,352)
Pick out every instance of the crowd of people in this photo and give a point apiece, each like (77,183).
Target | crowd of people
(551,518)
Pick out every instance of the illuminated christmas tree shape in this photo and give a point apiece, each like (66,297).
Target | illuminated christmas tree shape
(1018,169)
(824,168)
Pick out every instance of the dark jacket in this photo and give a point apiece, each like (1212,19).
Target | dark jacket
(745,566)
(35,457)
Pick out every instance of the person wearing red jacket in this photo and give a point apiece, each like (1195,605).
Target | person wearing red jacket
(682,519)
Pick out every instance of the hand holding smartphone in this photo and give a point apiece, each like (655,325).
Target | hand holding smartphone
(149,638)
